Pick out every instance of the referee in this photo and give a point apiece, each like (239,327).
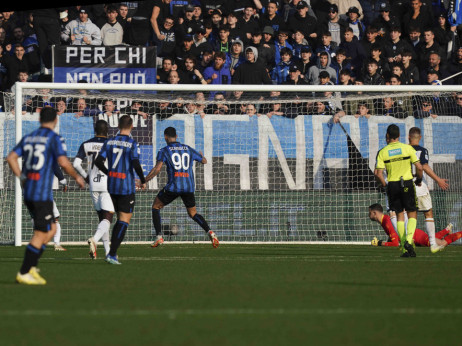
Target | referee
(397,158)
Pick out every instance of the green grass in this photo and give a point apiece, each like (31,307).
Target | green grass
(235,295)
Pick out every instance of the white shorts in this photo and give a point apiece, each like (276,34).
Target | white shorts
(102,201)
(55,210)
(424,203)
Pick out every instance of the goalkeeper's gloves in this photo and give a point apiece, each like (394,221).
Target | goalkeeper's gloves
(376,242)
(418,181)
(64,183)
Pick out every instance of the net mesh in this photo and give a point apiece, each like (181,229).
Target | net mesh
(282,166)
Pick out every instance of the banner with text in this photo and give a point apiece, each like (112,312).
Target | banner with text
(103,64)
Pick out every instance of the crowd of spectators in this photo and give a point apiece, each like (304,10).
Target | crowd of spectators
(293,42)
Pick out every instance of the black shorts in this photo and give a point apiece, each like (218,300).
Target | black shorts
(167,197)
(402,197)
(42,214)
(124,203)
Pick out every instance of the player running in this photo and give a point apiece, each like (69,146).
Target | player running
(40,149)
(443,238)
(97,180)
(178,159)
(123,160)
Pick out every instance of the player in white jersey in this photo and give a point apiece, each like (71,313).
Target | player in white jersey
(98,185)
(424,201)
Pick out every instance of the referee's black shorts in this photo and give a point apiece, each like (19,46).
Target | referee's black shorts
(167,197)
(400,197)
(124,203)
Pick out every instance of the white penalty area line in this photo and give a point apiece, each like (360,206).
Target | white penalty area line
(174,313)
(298,258)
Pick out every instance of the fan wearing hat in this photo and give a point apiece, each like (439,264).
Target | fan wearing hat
(344,5)
(334,24)
(295,77)
(186,23)
(305,61)
(82,31)
(385,21)
(303,22)
(355,23)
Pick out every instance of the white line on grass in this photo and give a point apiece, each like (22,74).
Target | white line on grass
(173,313)
(301,258)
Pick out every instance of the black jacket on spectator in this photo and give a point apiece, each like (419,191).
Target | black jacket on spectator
(251,72)
(410,75)
(423,53)
(14,66)
(376,79)
(423,21)
(393,49)
(277,23)
(381,24)
(354,52)
(307,25)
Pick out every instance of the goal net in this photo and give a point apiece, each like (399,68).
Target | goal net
(284,164)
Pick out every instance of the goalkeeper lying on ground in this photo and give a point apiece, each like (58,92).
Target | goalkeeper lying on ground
(443,237)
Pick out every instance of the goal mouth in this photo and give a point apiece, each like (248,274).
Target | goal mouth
(285,164)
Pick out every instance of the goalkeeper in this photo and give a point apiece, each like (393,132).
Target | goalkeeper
(443,237)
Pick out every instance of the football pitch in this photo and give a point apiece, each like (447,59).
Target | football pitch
(192,294)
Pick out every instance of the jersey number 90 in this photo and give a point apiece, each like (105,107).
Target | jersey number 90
(181,161)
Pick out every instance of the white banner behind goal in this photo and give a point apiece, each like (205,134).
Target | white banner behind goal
(295,167)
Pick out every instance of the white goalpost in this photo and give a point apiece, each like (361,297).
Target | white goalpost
(285,163)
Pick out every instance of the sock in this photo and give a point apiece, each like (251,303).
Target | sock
(441,234)
(118,234)
(453,237)
(41,250)
(105,240)
(156,221)
(103,227)
(31,257)
(430,228)
(57,236)
(201,222)
(411,225)
(402,233)
(394,222)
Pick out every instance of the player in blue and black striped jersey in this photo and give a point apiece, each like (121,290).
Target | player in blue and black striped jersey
(40,150)
(123,160)
(179,159)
